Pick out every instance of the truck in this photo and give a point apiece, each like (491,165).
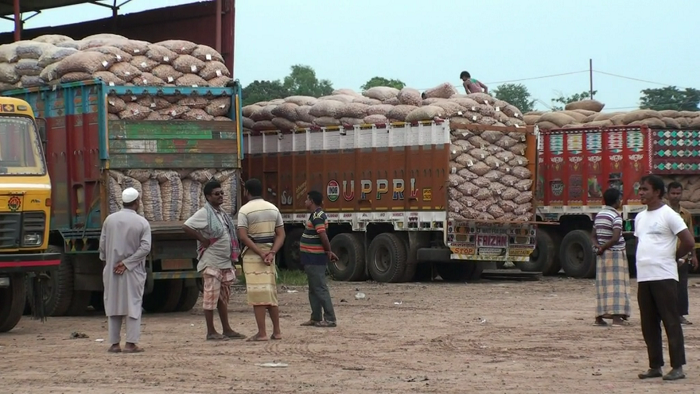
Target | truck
(386,197)
(576,165)
(25,205)
(85,147)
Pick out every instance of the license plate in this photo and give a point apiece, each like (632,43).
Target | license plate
(495,241)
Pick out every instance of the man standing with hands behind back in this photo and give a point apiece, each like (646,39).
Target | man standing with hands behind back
(675,193)
(125,242)
(657,230)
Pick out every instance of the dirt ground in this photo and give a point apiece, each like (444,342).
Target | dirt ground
(495,337)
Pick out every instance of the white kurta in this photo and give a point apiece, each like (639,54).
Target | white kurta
(126,237)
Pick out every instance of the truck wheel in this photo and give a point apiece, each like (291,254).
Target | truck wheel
(545,257)
(188,298)
(165,296)
(387,258)
(59,291)
(292,258)
(576,255)
(460,272)
(350,250)
(12,302)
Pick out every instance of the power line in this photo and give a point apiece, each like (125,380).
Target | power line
(542,77)
(635,79)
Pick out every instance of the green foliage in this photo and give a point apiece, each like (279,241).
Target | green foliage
(670,98)
(381,81)
(301,81)
(258,91)
(515,94)
(559,103)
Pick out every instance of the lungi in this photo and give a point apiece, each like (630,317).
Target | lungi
(260,279)
(612,282)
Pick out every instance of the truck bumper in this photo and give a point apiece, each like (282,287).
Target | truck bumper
(438,255)
(30,262)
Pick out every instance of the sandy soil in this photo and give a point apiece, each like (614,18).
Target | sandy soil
(496,337)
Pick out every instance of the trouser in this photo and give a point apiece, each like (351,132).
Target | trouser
(658,301)
(133,329)
(683,289)
(319,296)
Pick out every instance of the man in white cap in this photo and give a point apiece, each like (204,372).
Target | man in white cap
(125,243)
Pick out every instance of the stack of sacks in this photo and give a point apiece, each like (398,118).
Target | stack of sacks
(171,195)
(489,177)
(113,58)
(145,107)
(379,105)
(587,113)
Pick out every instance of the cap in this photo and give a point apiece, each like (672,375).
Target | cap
(129,195)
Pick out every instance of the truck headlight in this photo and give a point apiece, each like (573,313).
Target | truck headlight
(31,239)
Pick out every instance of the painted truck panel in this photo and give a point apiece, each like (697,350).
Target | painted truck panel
(396,174)
(81,143)
(577,165)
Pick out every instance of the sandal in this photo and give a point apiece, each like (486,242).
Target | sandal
(135,349)
(601,323)
(623,323)
(256,338)
(234,335)
(325,324)
(217,337)
(310,323)
(274,338)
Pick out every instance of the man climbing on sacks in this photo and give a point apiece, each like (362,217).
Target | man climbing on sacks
(217,249)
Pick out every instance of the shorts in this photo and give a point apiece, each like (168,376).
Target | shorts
(217,286)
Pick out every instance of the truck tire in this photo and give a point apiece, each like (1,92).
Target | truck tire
(188,298)
(545,257)
(59,294)
(577,256)
(411,259)
(291,254)
(12,302)
(164,297)
(467,271)
(350,249)
(387,258)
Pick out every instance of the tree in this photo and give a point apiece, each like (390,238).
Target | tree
(566,100)
(381,81)
(671,98)
(302,81)
(515,94)
(258,91)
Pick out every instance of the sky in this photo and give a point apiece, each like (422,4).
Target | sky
(642,43)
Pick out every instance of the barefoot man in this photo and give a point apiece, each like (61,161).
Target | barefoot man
(125,242)
(261,230)
(217,249)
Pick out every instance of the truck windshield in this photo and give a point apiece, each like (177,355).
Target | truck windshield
(20,148)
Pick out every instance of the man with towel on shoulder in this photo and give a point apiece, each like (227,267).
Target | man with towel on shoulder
(125,243)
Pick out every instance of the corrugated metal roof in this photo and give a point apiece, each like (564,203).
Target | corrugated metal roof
(7,9)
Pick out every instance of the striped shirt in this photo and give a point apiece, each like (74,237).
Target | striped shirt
(606,221)
(316,224)
(261,218)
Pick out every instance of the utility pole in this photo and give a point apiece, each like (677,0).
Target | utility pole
(590,77)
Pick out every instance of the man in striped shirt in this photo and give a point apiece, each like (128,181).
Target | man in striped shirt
(316,251)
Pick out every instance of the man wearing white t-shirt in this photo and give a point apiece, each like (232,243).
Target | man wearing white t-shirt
(658,229)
